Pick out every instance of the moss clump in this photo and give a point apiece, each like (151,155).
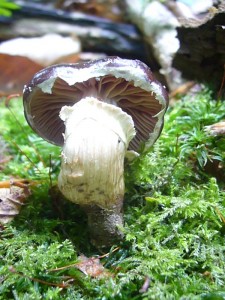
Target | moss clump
(174,213)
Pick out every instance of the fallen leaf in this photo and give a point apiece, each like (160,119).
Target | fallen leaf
(12,197)
(92,267)
(15,72)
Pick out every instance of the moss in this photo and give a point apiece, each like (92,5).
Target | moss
(174,214)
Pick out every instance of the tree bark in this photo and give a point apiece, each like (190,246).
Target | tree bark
(201,55)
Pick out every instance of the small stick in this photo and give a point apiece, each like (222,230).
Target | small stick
(62,285)
(220,215)
(222,85)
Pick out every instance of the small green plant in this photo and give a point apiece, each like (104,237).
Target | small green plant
(188,121)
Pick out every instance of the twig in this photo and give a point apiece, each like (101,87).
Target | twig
(61,285)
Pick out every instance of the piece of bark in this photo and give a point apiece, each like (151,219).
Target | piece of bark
(158,27)
(201,55)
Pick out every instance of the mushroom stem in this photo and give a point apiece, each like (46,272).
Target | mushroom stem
(92,171)
(104,224)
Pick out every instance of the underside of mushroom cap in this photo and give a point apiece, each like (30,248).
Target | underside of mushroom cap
(128,84)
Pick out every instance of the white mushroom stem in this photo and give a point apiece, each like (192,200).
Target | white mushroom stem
(97,136)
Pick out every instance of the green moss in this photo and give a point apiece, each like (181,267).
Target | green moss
(32,156)
(174,217)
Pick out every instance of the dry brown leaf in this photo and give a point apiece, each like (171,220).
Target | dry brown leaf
(15,72)
(12,197)
(92,267)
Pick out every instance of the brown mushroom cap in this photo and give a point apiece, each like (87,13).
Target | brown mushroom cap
(129,84)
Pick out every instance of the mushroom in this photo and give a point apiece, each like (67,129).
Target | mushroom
(97,111)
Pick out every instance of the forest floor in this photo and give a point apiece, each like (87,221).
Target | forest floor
(174,216)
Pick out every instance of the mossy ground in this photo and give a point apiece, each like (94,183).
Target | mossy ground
(174,216)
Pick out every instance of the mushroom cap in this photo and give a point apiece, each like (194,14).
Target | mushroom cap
(129,84)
